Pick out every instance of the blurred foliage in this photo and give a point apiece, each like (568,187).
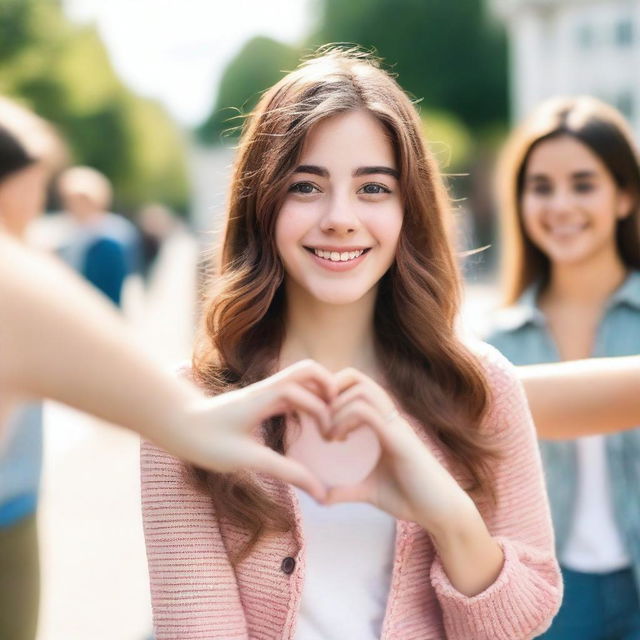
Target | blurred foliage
(259,64)
(448,53)
(62,71)
(448,139)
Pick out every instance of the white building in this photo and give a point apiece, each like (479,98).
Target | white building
(568,47)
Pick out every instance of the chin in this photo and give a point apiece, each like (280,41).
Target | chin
(571,259)
(337,295)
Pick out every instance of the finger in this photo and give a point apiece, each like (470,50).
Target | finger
(263,459)
(347,378)
(355,414)
(356,392)
(297,398)
(359,414)
(311,374)
(290,398)
(344,423)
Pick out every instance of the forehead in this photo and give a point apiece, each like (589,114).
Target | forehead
(354,138)
(563,155)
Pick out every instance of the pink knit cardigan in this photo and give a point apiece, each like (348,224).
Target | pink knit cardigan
(197,594)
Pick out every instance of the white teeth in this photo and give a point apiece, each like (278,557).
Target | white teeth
(566,230)
(336,256)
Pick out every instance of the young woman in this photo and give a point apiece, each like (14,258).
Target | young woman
(336,248)
(572,242)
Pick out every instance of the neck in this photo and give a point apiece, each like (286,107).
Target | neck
(586,284)
(335,335)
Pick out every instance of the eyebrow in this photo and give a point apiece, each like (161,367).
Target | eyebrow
(583,174)
(360,171)
(578,175)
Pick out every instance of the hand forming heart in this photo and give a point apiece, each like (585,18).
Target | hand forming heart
(370,453)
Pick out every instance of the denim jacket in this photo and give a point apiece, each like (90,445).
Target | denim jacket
(520,332)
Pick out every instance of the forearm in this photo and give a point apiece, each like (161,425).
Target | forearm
(471,558)
(572,399)
(60,340)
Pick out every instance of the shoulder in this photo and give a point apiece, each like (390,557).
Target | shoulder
(498,370)
(507,400)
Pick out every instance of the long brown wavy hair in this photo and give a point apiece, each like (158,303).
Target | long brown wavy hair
(606,133)
(430,373)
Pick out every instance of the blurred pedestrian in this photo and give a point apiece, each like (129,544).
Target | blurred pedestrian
(30,151)
(102,246)
(157,224)
(571,241)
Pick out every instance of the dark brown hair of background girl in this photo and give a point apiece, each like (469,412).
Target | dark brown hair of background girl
(428,370)
(606,133)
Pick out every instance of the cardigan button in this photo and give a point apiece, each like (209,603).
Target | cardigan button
(288,565)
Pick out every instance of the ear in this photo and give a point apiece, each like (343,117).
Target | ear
(624,204)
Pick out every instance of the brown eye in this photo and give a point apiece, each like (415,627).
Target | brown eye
(583,187)
(303,187)
(373,189)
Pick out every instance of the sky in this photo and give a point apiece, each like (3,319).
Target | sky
(176,50)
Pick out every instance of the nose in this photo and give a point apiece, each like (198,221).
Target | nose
(561,202)
(339,216)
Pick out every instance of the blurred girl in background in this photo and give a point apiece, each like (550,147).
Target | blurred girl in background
(571,195)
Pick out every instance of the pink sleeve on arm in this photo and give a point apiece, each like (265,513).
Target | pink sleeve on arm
(521,603)
(194,593)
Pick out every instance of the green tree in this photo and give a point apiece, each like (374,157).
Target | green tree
(446,52)
(260,63)
(63,72)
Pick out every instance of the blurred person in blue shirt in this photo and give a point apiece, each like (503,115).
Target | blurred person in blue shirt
(100,245)
(571,242)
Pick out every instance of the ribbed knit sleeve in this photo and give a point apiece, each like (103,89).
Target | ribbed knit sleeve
(521,603)
(194,593)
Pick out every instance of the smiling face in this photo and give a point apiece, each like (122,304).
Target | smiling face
(570,202)
(338,226)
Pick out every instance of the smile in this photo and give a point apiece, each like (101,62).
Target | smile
(337,256)
(333,260)
(567,230)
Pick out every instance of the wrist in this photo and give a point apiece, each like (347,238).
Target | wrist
(461,522)
(174,415)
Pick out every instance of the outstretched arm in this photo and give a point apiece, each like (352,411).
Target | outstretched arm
(583,397)
(59,339)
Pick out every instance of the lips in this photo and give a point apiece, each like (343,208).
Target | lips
(338,259)
(566,230)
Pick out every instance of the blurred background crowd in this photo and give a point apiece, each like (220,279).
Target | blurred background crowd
(147,99)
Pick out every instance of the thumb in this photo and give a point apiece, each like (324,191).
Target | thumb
(261,458)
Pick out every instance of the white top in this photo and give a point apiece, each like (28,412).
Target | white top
(349,561)
(594,544)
